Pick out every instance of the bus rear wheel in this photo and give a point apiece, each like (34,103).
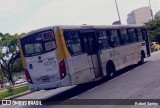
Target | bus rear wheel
(110,70)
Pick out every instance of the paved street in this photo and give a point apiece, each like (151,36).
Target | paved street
(135,82)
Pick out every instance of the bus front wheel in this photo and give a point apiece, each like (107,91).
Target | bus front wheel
(110,70)
(142,60)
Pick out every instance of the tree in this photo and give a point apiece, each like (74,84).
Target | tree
(1,78)
(9,55)
(17,66)
(157,14)
(154,30)
(1,34)
(1,75)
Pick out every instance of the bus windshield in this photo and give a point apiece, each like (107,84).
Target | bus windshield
(38,43)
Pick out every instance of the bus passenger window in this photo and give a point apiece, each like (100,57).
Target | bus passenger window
(139,33)
(132,35)
(144,34)
(33,48)
(76,48)
(103,39)
(85,46)
(69,49)
(115,38)
(73,42)
(124,36)
(38,47)
(29,48)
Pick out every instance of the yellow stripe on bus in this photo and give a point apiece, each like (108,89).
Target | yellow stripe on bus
(61,50)
(22,56)
(67,54)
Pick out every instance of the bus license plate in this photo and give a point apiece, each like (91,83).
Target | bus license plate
(45,79)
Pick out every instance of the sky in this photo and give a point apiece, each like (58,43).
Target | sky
(17,16)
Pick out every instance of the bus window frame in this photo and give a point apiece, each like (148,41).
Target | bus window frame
(146,34)
(140,28)
(69,50)
(30,40)
(132,36)
(109,41)
(113,46)
(124,44)
(93,30)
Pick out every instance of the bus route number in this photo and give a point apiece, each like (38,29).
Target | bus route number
(50,63)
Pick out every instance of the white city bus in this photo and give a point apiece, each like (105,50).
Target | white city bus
(60,56)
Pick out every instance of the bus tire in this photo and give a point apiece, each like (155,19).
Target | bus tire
(110,69)
(142,59)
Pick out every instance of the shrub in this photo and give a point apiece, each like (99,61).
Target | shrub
(10,90)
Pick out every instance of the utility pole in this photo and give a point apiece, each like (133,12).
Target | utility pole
(151,9)
(118,11)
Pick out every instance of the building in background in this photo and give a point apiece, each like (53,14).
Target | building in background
(157,14)
(139,16)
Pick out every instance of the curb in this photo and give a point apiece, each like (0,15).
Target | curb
(16,96)
(16,86)
(19,95)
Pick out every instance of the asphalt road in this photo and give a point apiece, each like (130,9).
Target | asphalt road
(134,82)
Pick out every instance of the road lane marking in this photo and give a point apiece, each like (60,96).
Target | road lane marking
(79,94)
(69,99)
(74,97)
(92,89)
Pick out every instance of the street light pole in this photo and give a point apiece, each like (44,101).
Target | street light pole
(150,9)
(118,11)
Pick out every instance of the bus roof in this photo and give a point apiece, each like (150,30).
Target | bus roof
(35,31)
(83,27)
(99,26)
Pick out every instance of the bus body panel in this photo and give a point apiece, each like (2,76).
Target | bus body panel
(48,68)
(79,69)
(122,58)
(93,59)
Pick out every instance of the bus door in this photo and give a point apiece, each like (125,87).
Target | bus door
(145,37)
(90,46)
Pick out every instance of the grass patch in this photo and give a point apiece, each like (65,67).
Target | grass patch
(16,91)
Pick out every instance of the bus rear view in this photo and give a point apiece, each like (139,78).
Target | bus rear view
(41,65)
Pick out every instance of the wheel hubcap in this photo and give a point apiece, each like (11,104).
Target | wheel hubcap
(142,59)
(111,74)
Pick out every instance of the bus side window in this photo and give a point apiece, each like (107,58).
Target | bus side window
(84,43)
(124,36)
(144,34)
(103,39)
(139,34)
(73,42)
(132,35)
(89,43)
(114,38)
